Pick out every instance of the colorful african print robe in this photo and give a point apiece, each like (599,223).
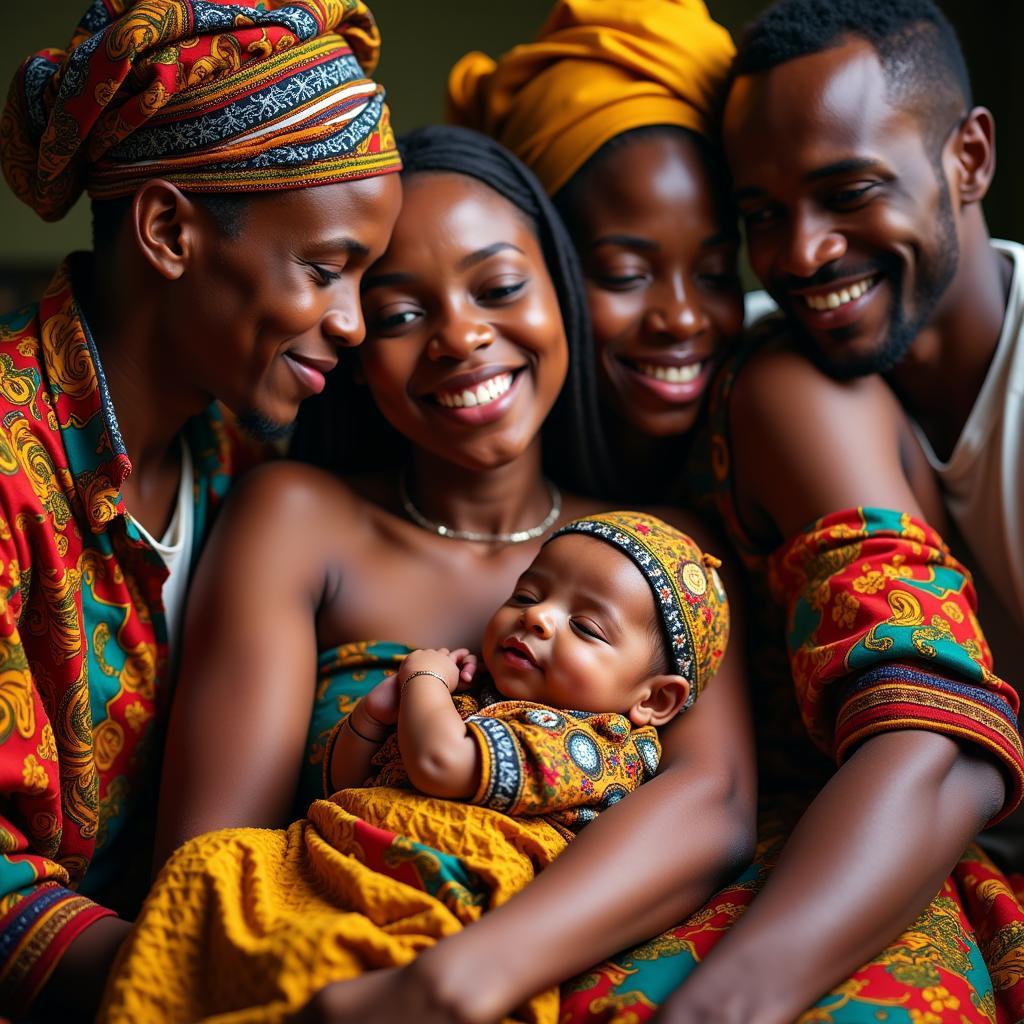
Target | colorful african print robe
(83,644)
(251,922)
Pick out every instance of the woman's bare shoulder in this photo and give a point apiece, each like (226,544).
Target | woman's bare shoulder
(294,501)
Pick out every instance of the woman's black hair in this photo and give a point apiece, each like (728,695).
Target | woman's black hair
(342,430)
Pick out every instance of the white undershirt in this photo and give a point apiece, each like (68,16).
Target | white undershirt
(983,479)
(175,548)
(756,305)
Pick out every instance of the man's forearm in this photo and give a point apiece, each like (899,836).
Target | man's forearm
(866,858)
(643,849)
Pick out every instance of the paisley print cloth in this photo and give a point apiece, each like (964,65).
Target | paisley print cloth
(960,962)
(882,635)
(212,96)
(344,674)
(83,642)
(251,922)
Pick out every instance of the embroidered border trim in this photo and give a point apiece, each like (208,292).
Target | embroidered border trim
(34,934)
(501,778)
(900,696)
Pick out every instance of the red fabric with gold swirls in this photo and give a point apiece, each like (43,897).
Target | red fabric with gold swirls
(83,644)
(960,962)
(882,635)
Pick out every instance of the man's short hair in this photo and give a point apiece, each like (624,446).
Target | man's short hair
(227,209)
(918,49)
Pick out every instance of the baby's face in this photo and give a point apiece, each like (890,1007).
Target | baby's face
(578,631)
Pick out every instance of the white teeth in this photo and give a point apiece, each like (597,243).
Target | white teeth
(483,394)
(833,300)
(671,374)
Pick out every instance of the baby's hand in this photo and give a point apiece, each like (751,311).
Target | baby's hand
(381,703)
(456,668)
(467,664)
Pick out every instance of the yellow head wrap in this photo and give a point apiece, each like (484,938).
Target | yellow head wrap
(597,68)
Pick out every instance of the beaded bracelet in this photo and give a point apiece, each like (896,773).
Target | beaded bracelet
(424,672)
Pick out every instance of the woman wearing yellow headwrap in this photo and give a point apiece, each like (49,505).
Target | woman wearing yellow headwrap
(597,69)
(615,105)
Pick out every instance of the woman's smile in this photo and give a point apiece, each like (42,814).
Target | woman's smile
(466,349)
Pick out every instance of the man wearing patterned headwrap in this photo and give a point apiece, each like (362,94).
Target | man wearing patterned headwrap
(197,129)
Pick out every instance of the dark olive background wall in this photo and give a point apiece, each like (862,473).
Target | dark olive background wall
(421,41)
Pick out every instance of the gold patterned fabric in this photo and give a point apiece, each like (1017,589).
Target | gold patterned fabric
(255,95)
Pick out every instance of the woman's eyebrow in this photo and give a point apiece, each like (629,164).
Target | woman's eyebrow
(386,280)
(725,237)
(626,241)
(482,254)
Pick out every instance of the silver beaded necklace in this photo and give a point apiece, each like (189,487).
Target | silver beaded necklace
(515,537)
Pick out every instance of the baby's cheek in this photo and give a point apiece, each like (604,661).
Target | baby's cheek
(586,681)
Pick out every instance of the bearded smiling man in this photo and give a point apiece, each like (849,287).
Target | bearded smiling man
(860,165)
(885,402)
(199,131)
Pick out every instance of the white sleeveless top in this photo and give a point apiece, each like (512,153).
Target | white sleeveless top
(175,548)
(983,480)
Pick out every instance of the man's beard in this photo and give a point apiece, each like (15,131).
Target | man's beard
(260,428)
(932,282)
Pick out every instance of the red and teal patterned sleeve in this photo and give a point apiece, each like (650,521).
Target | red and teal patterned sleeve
(40,914)
(538,760)
(882,635)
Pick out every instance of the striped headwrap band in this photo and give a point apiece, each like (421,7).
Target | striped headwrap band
(211,96)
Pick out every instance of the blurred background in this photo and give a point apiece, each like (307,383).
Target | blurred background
(422,41)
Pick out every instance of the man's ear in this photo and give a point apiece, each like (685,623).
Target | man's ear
(660,700)
(167,226)
(974,150)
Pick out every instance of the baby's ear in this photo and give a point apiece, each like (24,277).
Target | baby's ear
(661,699)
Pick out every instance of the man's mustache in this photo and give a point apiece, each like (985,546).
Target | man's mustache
(831,272)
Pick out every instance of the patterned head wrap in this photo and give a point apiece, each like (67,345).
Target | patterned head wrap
(688,593)
(598,68)
(212,96)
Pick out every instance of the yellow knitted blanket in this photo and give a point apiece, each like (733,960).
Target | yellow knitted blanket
(246,924)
